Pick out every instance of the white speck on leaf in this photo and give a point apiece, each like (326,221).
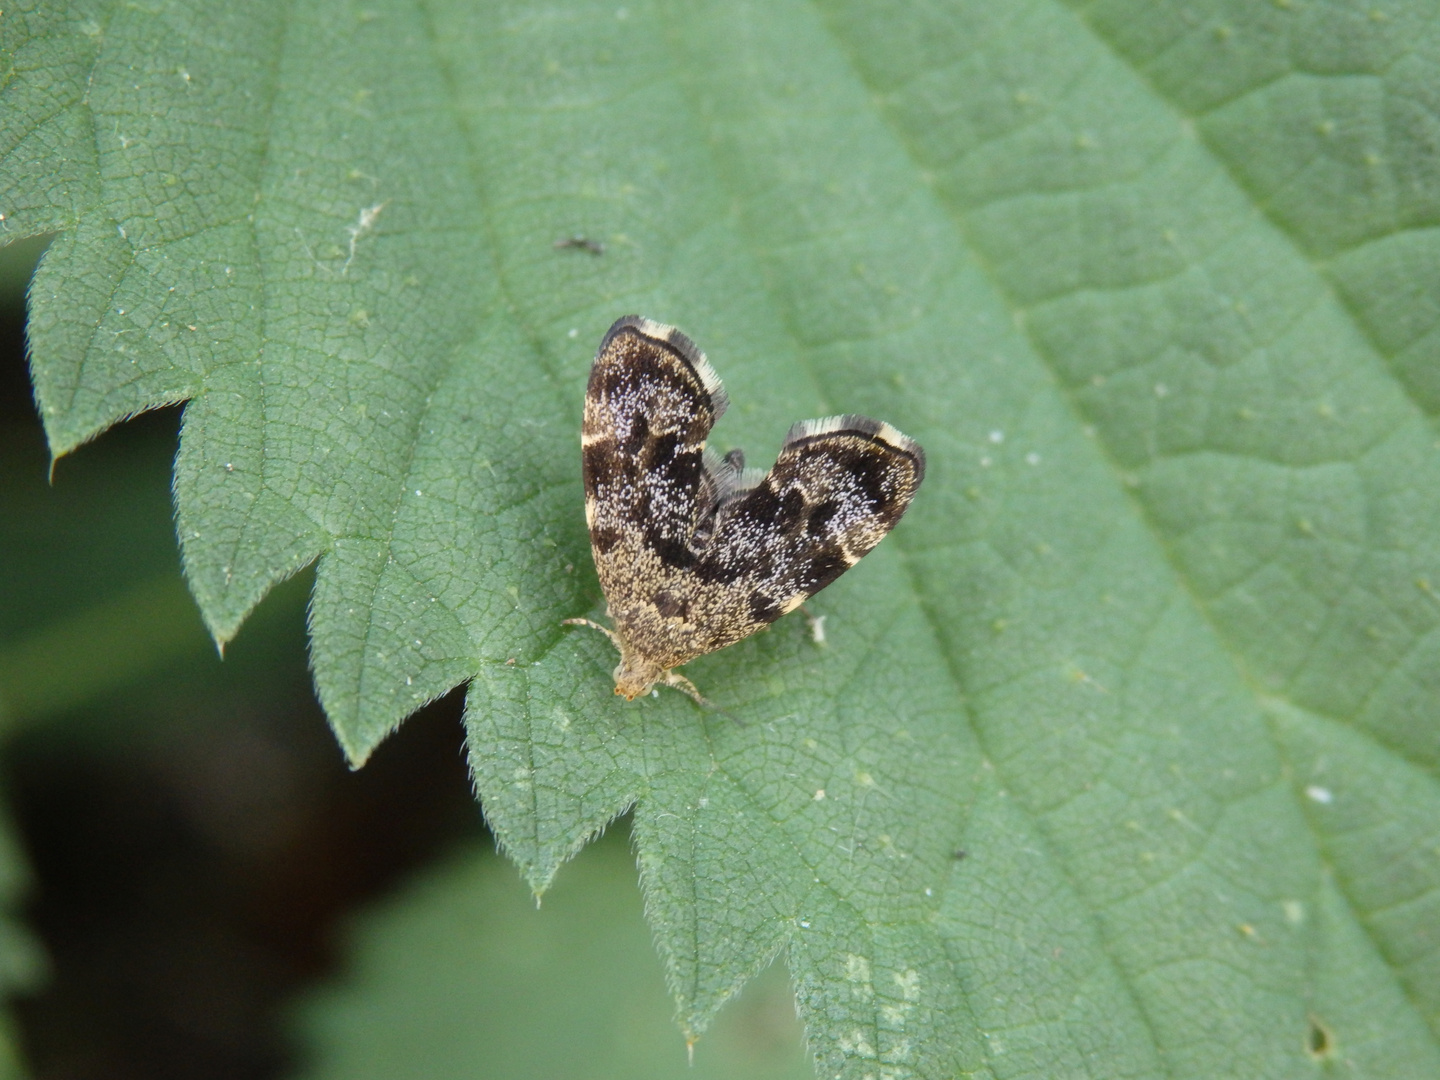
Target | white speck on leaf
(857,970)
(856,1043)
(363,224)
(817,629)
(909,984)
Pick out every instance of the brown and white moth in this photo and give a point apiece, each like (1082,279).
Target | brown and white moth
(695,551)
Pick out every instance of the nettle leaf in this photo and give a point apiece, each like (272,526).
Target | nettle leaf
(1156,648)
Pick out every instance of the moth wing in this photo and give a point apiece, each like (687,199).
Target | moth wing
(649,406)
(720,480)
(746,481)
(716,480)
(837,488)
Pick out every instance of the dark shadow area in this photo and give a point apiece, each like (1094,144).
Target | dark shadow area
(187,886)
(192,830)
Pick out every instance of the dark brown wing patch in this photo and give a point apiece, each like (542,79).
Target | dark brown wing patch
(650,403)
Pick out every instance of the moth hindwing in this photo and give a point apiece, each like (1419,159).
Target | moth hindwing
(695,552)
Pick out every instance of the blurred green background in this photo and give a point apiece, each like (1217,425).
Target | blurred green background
(210,892)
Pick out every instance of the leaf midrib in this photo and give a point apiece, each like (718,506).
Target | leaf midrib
(504,301)
(99,198)
(224,634)
(1137,507)
(917,592)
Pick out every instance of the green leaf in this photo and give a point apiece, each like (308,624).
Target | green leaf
(461,970)
(1153,286)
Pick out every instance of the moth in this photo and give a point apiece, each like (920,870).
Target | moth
(695,551)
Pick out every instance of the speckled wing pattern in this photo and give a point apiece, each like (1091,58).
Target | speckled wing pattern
(695,552)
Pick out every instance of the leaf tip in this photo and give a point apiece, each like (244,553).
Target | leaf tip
(223,625)
(355,755)
(221,633)
(538,876)
(60,442)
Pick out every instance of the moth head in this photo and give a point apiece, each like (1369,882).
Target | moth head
(635,676)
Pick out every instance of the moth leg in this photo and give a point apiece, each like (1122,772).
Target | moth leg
(676,681)
(593,626)
(689,689)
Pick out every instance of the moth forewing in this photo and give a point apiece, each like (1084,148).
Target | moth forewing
(695,552)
